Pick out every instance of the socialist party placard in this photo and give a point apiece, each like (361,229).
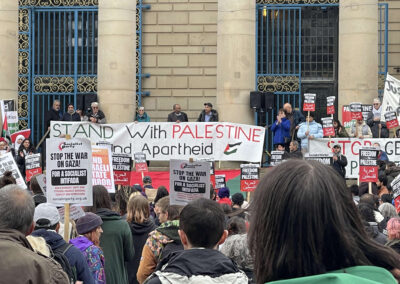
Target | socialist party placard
(122,167)
(323,158)
(249,177)
(368,171)
(69,171)
(309,102)
(330,105)
(188,181)
(327,126)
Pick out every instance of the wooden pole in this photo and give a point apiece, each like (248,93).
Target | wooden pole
(370,187)
(248,196)
(308,122)
(66,222)
(41,140)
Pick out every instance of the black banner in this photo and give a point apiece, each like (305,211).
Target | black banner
(122,162)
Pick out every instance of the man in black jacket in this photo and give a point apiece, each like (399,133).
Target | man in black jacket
(208,114)
(177,115)
(339,160)
(54,114)
(295,117)
(71,114)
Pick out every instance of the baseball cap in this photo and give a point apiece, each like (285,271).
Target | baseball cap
(48,212)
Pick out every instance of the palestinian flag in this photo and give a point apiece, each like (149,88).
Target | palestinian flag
(5,132)
(231,148)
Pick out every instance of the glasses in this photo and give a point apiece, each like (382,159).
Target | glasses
(95,107)
(375,104)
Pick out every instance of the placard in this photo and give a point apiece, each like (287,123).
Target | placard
(7,163)
(69,171)
(276,158)
(347,120)
(249,177)
(326,159)
(391,120)
(140,162)
(75,212)
(102,168)
(396,192)
(356,111)
(32,166)
(188,181)
(122,167)
(220,181)
(327,126)
(368,164)
(212,169)
(391,96)
(309,102)
(41,179)
(330,105)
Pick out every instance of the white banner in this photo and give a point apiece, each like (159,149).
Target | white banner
(391,96)
(351,147)
(222,141)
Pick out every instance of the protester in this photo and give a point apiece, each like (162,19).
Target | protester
(294,151)
(360,130)
(279,147)
(309,131)
(392,171)
(71,114)
(370,224)
(7,178)
(237,200)
(354,192)
(116,240)
(38,196)
(208,114)
(122,198)
(283,238)
(47,221)
(95,115)
(224,194)
(382,185)
(339,160)
(162,241)
(388,211)
(17,144)
(54,114)
(373,201)
(201,231)
(5,148)
(295,117)
(24,150)
(141,115)
(393,229)
(340,131)
(148,188)
(281,129)
(89,229)
(177,115)
(382,155)
(19,262)
(139,221)
(378,127)
(161,192)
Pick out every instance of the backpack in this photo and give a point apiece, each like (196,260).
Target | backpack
(59,256)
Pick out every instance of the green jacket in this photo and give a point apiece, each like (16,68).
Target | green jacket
(116,242)
(351,275)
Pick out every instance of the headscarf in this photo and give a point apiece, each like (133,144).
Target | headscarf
(16,144)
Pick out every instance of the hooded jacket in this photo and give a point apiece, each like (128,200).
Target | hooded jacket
(117,245)
(94,258)
(315,130)
(74,256)
(20,264)
(198,265)
(140,232)
(281,130)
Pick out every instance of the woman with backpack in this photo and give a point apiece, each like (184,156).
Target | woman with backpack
(89,229)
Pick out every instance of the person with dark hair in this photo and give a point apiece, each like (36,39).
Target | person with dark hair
(339,160)
(19,263)
(201,230)
(312,227)
(373,201)
(116,240)
(370,224)
(71,114)
(148,188)
(47,221)
(208,114)
(37,192)
(89,229)
(224,194)
(382,155)
(393,229)
(122,198)
(7,178)
(139,221)
(177,115)
(386,198)
(213,195)
(354,192)
(382,185)
(24,150)
(310,130)
(340,131)
(281,129)
(237,200)
(363,188)
(162,241)
(161,192)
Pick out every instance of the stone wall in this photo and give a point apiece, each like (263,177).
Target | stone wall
(180,52)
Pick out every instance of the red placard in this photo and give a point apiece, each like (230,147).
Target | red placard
(141,167)
(122,177)
(308,107)
(356,115)
(368,174)
(212,180)
(330,109)
(32,172)
(248,185)
(391,120)
(329,131)
(392,124)
(397,204)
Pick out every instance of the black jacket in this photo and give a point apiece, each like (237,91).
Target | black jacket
(140,232)
(71,117)
(213,118)
(293,155)
(340,165)
(214,266)
(172,117)
(374,125)
(53,115)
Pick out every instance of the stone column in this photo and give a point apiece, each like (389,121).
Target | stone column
(8,49)
(117,59)
(358,52)
(235,59)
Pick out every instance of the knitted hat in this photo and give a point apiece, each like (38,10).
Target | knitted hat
(223,192)
(88,223)
(238,199)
